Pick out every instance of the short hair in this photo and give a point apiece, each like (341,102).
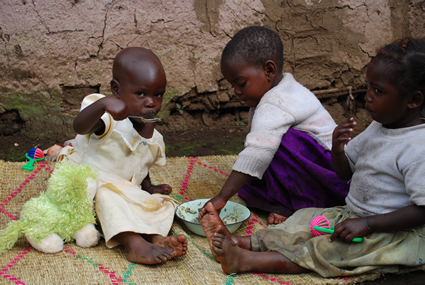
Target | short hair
(127,57)
(255,45)
(406,57)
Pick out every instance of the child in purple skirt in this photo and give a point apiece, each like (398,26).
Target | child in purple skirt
(286,164)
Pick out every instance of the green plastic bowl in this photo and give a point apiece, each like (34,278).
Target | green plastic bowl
(189,211)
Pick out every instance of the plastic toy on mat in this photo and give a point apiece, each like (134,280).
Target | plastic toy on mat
(320,225)
(35,154)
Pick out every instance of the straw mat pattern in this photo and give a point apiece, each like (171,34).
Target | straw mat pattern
(191,178)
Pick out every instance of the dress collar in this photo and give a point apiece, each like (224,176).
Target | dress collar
(130,136)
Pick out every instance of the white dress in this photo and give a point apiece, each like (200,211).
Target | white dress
(123,159)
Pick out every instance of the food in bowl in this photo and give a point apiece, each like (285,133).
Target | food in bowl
(232,215)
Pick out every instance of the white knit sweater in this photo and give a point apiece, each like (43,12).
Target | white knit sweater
(288,104)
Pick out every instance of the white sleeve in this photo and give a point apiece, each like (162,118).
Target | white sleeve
(268,126)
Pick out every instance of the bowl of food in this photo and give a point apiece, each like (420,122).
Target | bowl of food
(232,215)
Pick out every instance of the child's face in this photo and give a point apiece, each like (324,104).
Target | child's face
(383,99)
(142,89)
(249,82)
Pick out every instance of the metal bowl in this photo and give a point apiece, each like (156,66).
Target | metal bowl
(233,215)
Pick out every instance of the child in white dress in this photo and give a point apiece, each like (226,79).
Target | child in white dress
(131,210)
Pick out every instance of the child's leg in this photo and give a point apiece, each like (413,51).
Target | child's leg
(242,242)
(234,259)
(152,249)
(121,222)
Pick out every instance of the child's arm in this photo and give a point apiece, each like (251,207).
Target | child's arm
(160,189)
(340,137)
(405,218)
(233,184)
(88,120)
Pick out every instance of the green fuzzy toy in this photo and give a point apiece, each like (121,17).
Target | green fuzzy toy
(61,214)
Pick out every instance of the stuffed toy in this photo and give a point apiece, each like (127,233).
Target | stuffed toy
(61,214)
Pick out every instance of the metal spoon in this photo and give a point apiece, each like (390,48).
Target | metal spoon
(153,120)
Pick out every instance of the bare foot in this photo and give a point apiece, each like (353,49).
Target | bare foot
(227,252)
(211,220)
(141,251)
(234,259)
(203,212)
(177,243)
(274,218)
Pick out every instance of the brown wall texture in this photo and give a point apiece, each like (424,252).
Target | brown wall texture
(53,53)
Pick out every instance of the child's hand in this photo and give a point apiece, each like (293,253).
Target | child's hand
(88,120)
(218,204)
(160,189)
(341,135)
(349,229)
(116,107)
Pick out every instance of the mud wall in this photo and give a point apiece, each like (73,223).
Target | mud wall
(53,53)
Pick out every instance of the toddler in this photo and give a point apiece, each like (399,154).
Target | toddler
(286,164)
(131,210)
(386,201)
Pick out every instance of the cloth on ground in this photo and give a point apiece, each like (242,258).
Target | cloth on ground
(378,252)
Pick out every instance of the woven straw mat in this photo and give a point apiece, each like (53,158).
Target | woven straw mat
(190,178)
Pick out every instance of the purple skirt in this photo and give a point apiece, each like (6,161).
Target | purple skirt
(300,176)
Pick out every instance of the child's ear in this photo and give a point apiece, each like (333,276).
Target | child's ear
(115,88)
(417,100)
(270,68)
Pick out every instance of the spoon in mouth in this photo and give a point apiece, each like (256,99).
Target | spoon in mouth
(153,120)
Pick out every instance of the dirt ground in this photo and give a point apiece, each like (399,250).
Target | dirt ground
(412,278)
(194,142)
(224,135)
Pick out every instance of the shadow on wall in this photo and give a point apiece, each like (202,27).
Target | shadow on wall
(72,96)
(10,122)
